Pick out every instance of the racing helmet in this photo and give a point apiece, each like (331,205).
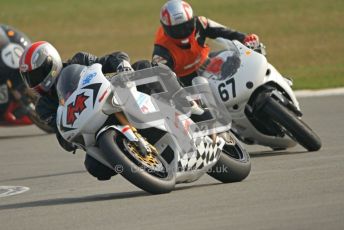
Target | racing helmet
(177,19)
(40,66)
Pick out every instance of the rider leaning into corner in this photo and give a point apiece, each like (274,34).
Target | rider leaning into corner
(12,45)
(180,40)
(40,66)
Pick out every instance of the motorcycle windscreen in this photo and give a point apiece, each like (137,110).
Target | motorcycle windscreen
(68,81)
(223,62)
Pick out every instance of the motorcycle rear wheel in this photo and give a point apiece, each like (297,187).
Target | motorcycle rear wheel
(295,127)
(137,170)
(234,164)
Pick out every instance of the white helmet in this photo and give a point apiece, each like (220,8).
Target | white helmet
(177,19)
(40,65)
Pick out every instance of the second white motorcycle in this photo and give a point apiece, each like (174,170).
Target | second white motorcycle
(261,101)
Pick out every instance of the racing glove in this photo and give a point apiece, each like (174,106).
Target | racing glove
(46,110)
(252,41)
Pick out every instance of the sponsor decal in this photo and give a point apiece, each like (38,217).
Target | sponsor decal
(179,18)
(47,83)
(88,78)
(53,73)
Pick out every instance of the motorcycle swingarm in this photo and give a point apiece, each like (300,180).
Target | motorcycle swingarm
(258,119)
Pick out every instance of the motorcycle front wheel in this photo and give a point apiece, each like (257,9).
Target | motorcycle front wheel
(293,125)
(29,102)
(150,173)
(234,164)
(39,123)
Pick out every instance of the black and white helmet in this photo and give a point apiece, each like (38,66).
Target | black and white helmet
(177,19)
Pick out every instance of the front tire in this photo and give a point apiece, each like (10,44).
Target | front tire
(234,164)
(29,102)
(152,181)
(294,126)
(39,123)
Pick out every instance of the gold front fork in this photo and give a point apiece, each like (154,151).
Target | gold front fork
(145,147)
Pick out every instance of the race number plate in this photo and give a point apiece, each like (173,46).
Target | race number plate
(10,55)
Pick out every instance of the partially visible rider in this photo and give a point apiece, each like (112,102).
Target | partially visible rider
(180,40)
(40,66)
(12,45)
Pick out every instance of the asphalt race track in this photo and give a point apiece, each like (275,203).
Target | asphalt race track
(285,190)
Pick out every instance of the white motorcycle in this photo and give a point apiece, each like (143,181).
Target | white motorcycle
(141,136)
(261,101)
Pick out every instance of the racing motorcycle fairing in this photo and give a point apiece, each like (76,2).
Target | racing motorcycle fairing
(87,99)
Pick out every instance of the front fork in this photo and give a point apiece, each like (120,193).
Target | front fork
(25,102)
(145,147)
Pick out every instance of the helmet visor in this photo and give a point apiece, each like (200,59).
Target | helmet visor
(180,31)
(37,76)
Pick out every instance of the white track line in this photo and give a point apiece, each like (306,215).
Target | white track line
(319,93)
(12,190)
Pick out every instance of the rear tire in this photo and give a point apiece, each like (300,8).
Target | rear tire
(234,164)
(112,144)
(295,127)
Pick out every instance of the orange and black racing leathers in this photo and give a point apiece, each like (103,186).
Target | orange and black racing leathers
(185,58)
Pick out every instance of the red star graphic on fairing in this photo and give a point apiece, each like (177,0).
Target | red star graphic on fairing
(76,107)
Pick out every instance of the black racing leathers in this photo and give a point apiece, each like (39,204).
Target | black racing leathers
(205,28)
(47,105)
(10,35)
(12,42)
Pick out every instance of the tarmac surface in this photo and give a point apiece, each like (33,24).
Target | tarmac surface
(292,189)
